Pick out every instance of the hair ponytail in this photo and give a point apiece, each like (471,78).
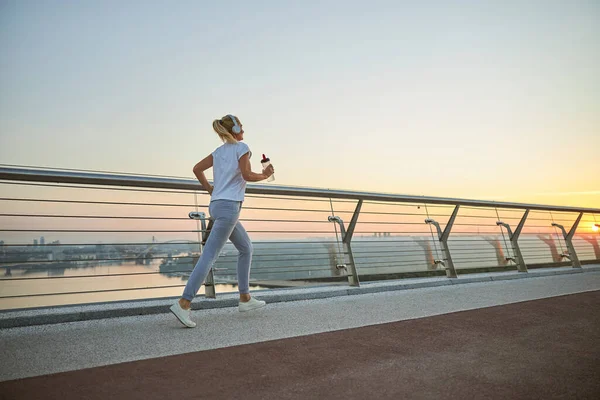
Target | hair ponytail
(223,131)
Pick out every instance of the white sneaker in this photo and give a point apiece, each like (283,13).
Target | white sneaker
(184,316)
(252,304)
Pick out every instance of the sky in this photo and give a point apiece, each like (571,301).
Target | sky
(495,100)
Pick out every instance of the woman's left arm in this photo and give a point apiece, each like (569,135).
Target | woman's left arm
(199,169)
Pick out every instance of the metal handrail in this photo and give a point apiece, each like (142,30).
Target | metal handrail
(55,176)
(420,253)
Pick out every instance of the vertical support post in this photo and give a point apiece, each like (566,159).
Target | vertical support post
(514,241)
(346,240)
(209,282)
(569,241)
(443,237)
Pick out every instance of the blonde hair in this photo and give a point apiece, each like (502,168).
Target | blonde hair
(224,127)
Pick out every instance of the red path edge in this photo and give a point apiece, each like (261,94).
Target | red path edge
(541,349)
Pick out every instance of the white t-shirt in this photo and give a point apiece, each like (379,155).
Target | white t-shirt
(229,184)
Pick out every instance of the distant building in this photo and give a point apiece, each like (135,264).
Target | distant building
(382,234)
(42,241)
(35,243)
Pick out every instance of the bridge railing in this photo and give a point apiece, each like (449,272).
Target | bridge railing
(80,237)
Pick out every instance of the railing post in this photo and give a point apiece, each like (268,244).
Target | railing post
(443,237)
(514,241)
(346,240)
(569,241)
(209,282)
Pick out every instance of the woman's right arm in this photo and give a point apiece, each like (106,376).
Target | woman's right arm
(250,176)
(199,169)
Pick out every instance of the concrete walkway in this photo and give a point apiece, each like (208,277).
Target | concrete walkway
(540,349)
(45,349)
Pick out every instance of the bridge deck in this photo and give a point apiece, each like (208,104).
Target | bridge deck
(525,338)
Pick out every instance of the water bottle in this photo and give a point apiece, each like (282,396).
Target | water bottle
(265,163)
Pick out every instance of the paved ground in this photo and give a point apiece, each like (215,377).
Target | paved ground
(541,349)
(45,349)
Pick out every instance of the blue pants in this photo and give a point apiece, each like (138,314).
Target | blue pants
(225,214)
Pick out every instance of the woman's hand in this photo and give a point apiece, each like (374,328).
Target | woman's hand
(247,173)
(267,172)
(210,189)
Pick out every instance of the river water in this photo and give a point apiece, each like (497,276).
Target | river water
(285,264)
(124,281)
